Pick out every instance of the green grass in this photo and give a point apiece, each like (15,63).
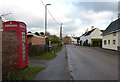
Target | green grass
(45,56)
(27,73)
(48,55)
(58,49)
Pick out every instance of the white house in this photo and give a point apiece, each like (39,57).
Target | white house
(73,39)
(111,36)
(91,37)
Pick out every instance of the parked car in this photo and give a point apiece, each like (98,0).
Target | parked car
(77,44)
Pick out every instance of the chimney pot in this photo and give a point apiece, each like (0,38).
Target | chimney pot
(92,27)
(86,30)
(119,15)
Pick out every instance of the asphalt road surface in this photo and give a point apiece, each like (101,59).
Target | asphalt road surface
(88,63)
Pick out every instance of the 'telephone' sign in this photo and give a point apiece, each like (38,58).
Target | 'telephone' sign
(22,26)
(11,25)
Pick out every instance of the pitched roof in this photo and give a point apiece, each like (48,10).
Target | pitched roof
(89,32)
(102,30)
(115,25)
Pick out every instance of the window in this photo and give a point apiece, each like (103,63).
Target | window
(114,41)
(23,32)
(23,56)
(114,33)
(105,42)
(108,41)
(23,44)
(22,26)
(23,36)
(23,51)
(23,40)
(23,48)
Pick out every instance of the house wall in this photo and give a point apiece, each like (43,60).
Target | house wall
(82,38)
(96,34)
(66,40)
(119,38)
(74,41)
(36,40)
(88,38)
(111,38)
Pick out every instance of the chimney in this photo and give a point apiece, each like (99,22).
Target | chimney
(86,30)
(92,27)
(118,15)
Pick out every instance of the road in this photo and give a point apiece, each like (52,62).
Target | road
(92,64)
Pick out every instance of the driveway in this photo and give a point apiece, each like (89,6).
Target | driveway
(88,63)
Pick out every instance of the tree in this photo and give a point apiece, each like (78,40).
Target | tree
(54,39)
(47,33)
(29,32)
(36,33)
(42,33)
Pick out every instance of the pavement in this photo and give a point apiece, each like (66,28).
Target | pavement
(56,69)
(87,63)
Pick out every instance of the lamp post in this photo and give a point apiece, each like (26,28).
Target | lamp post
(46,18)
(46,26)
(61,32)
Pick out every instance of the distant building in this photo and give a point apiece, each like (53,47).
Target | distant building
(66,40)
(92,37)
(73,39)
(35,40)
(111,36)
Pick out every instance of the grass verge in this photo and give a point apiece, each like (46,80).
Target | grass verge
(58,49)
(45,56)
(27,73)
(48,55)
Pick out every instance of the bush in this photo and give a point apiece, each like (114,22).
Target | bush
(55,46)
(54,39)
(9,53)
(36,49)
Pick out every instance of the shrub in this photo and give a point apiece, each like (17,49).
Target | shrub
(55,46)
(36,49)
(8,53)
(54,39)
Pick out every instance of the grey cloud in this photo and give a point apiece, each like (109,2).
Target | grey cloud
(97,6)
(68,27)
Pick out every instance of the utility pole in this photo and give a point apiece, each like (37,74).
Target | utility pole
(46,27)
(61,32)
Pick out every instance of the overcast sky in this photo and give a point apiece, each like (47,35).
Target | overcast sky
(75,15)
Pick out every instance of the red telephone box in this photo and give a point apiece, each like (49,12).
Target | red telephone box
(20,30)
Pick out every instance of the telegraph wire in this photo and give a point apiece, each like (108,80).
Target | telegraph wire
(50,13)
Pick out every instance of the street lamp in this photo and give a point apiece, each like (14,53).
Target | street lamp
(46,26)
(46,18)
